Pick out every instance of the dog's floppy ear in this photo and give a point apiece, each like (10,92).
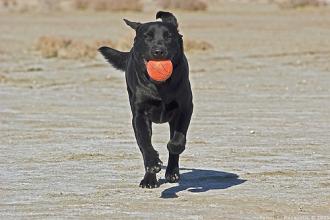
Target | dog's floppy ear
(132,24)
(167,17)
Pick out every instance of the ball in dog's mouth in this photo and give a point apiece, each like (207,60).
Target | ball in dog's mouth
(159,70)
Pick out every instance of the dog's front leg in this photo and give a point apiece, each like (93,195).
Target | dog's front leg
(179,127)
(178,130)
(152,163)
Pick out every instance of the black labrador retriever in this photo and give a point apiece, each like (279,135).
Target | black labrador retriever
(169,101)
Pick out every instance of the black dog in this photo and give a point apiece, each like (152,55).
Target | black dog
(150,101)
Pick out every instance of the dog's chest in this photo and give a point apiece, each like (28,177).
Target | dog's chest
(160,109)
(160,112)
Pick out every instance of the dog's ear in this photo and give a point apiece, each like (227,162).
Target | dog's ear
(167,17)
(132,24)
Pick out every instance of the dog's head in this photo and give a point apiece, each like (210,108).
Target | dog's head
(158,40)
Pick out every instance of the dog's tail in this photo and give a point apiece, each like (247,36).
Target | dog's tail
(116,58)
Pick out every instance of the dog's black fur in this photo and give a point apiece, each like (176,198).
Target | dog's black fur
(150,101)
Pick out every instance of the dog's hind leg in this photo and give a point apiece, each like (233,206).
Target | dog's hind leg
(152,163)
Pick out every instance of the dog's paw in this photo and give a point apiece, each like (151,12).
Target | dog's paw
(173,175)
(153,165)
(177,144)
(149,181)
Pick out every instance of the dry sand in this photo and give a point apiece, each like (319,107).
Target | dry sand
(258,145)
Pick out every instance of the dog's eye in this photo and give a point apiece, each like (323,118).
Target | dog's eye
(168,37)
(147,37)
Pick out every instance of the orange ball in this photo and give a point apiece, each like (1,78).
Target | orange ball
(159,70)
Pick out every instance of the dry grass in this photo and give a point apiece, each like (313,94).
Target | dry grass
(67,5)
(190,45)
(125,43)
(287,4)
(67,48)
(196,45)
(188,5)
(108,5)
(29,5)
(49,46)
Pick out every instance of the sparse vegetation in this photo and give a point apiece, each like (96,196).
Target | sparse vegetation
(29,5)
(125,43)
(196,45)
(287,4)
(67,48)
(108,5)
(51,5)
(189,5)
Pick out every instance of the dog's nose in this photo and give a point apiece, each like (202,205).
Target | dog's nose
(158,53)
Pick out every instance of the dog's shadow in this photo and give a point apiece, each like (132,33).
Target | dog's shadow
(199,180)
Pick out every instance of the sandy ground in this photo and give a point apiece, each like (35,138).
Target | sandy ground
(258,145)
